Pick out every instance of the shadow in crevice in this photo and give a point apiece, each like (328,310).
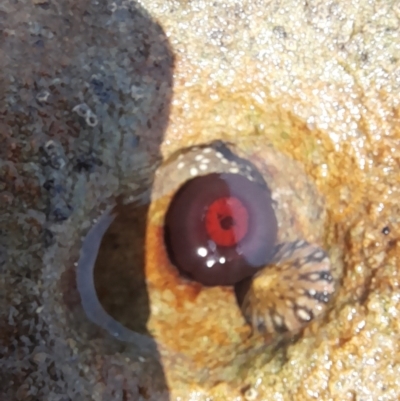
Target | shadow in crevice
(119,275)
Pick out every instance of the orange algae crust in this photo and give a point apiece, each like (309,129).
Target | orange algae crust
(336,358)
(357,341)
(343,131)
(199,326)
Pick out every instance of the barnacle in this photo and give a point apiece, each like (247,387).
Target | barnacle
(291,291)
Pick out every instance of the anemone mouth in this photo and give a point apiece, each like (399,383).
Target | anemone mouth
(220,228)
(227,221)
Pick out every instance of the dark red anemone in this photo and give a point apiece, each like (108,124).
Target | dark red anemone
(220,228)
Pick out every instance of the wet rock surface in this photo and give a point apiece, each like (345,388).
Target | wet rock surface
(87,114)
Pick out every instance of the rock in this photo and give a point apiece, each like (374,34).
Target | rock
(300,77)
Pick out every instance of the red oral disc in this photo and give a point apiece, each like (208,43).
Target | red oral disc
(227,221)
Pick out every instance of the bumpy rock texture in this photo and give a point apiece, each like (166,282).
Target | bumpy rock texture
(319,80)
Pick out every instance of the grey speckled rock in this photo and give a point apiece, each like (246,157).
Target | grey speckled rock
(85,94)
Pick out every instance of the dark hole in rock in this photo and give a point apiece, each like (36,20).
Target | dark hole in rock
(119,276)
